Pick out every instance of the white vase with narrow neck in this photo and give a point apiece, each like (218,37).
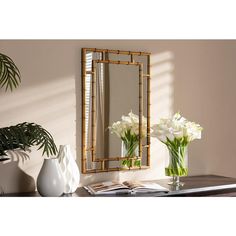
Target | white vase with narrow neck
(69,168)
(50,181)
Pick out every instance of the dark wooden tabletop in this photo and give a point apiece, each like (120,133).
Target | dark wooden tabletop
(202,185)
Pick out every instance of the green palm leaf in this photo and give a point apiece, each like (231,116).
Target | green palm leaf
(26,135)
(9,73)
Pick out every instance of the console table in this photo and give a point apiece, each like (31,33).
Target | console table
(202,185)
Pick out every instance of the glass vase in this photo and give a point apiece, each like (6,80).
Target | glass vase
(177,164)
(131,151)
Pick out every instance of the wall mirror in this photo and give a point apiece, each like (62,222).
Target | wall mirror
(114,83)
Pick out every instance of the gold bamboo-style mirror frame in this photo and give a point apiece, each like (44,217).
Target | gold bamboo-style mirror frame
(104,55)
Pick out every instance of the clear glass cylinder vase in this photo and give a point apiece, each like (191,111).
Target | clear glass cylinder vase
(177,164)
(131,152)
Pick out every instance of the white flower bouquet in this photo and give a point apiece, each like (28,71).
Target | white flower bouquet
(128,131)
(176,133)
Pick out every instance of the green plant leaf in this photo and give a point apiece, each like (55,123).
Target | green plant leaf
(9,73)
(26,135)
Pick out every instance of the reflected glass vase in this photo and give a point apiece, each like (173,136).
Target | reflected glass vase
(177,164)
(131,151)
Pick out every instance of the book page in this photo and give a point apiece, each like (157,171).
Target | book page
(144,186)
(105,187)
(132,184)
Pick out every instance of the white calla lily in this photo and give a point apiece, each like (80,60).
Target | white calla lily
(129,123)
(176,127)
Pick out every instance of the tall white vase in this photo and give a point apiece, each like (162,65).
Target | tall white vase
(69,168)
(50,181)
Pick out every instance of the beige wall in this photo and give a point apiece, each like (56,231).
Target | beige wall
(196,78)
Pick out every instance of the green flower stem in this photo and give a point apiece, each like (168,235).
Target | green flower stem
(177,151)
(130,147)
(131,142)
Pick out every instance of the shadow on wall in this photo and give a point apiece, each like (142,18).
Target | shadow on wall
(162,102)
(51,105)
(46,96)
(14,175)
(162,79)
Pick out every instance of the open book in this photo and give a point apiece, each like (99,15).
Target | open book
(112,187)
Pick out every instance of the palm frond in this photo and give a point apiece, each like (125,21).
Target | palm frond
(26,135)
(9,73)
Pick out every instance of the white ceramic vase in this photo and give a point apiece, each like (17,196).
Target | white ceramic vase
(69,169)
(50,181)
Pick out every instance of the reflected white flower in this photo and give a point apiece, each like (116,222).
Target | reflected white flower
(129,123)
